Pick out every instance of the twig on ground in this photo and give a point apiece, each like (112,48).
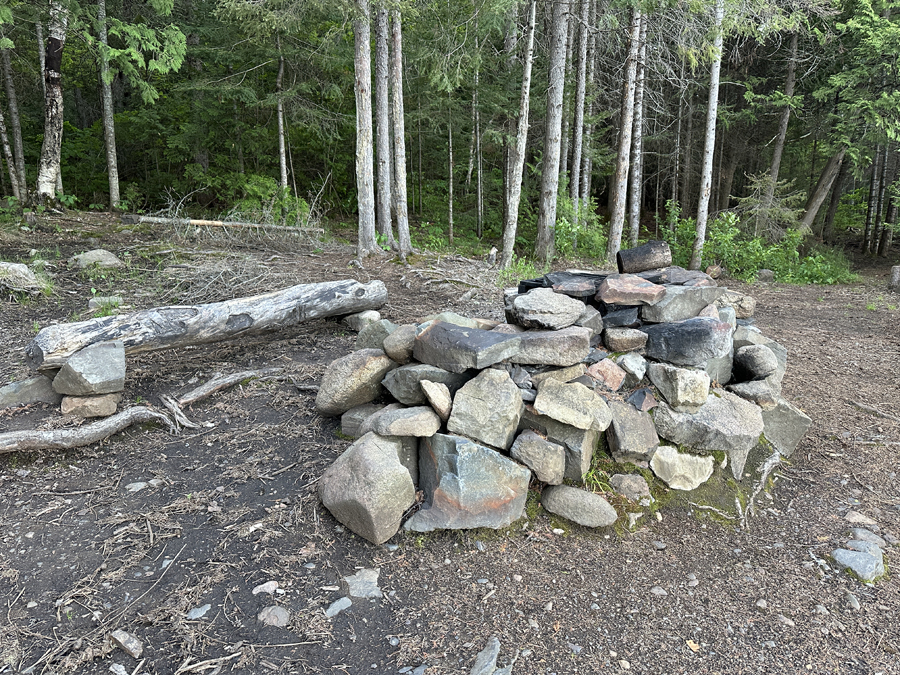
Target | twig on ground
(718,512)
(873,411)
(223,382)
(205,665)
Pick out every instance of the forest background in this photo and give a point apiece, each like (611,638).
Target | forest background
(748,133)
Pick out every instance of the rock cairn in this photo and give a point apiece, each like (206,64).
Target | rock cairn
(659,368)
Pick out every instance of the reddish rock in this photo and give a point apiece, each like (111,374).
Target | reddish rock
(607,373)
(629,289)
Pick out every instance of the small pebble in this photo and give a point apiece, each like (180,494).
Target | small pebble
(625,665)
(391,547)
(394,642)
(762,604)
(480,546)
(268,587)
(783,619)
(310,566)
(658,590)
(853,602)
(692,583)
(660,545)
(820,609)
(198,612)
(274,616)
(556,530)
(770,644)
(548,607)
(517,577)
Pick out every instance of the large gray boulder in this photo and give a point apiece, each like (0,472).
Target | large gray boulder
(688,343)
(367,488)
(572,404)
(754,362)
(784,425)
(545,308)
(18,277)
(579,506)
(865,566)
(457,349)
(750,335)
(579,443)
(352,380)
(680,470)
(97,369)
(545,458)
(97,258)
(37,389)
(631,436)
(487,408)
(684,389)
(399,344)
(467,485)
(373,334)
(564,347)
(680,303)
(726,423)
(404,383)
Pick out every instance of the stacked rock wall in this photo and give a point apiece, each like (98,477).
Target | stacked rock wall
(660,369)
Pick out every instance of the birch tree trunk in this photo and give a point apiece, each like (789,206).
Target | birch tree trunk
(778,150)
(636,175)
(623,156)
(479,184)
(279,113)
(109,125)
(517,154)
(10,162)
(546,224)
(382,125)
(709,143)
(820,191)
(586,162)
(15,124)
(399,173)
(567,95)
(580,89)
(450,174)
(366,244)
(49,163)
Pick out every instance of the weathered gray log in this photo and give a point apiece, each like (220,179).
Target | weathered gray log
(652,255)
(895,278)
(181,326)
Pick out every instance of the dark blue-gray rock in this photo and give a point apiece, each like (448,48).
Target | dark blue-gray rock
(743,305)
(758,392)
(866,567)
(467,485)
(97,258)
(18,277)
(488,409)
(416,421)
(631,436)
(635,367)
(545,308)
(564,347)
(457,349)
(404,383)
(545,458)
(726,423)
(360,320)
(630,485)
(681,470)
(399,344)
(352,380)
(579,506)
(622,317)
(686,390)
(784,426)
(573,404)
(101,405)
(642,399)
(367,489)
(862,534)
(688,343)
(680,303)
(486,661)
(624,339)
(373,334)
(37,389)
(754,362)
(591,319)
(580,444)
(97,369)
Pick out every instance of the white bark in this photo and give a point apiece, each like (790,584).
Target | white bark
(279,113)
(580,89)
(109,125)
(709,139)
(587,164)
(382,126)
(517,159)
(366,243)
(636,175)
(623,156)
(15,124)
(10,162)
(399,174)
(545,246)
(450,174)
(49,164)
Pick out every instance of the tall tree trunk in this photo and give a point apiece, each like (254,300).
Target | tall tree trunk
(871,205)
(623,156)
(887,176)
(49,163)
(517,160)
(580,89)
(399,174)
(709,140)
(564,132)
(366,244)
(587,165)
(382,125)
(735,152)
(450,174)
(282,146)
(778,150)
(10,162)
(636,175)
(820,191)
(887,232)
(687,156)
(421,171)
(479,185)
(827,232)
(545,246)
(109,125)
(510,42)
(15,123)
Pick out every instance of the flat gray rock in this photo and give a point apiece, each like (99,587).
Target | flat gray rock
(360,320)
(37,389)
(573,404)
(102,405)
(486,661)
(404,383)
(758,392)
(591,319)
(352,380)
(580,444)
(97,258)
(467,485)
(97,369)
(691,342)
(353,418)
(416,421)
(862,534)
(367,489)
(545,308)
(564,347)
(18,277)
(363,584)
(684,389)
(373,334)
(631,435)
(399,344)
(624,339)
(680,303)
(488,409)
(866,567)
(679,470)
(726,423)
(457,349)
(274,616)
(545,458)
(579,506)
(630,485)
(337,607)
(784,426)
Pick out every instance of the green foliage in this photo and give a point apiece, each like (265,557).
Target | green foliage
(519,269)
(578,234)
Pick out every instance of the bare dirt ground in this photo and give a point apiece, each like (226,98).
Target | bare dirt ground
(234,504)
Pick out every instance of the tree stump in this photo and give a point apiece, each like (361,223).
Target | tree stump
(895,278)
(650,256)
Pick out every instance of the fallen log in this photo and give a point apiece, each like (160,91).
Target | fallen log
(182,326)
(66,439)
(193,222)
(650,256)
